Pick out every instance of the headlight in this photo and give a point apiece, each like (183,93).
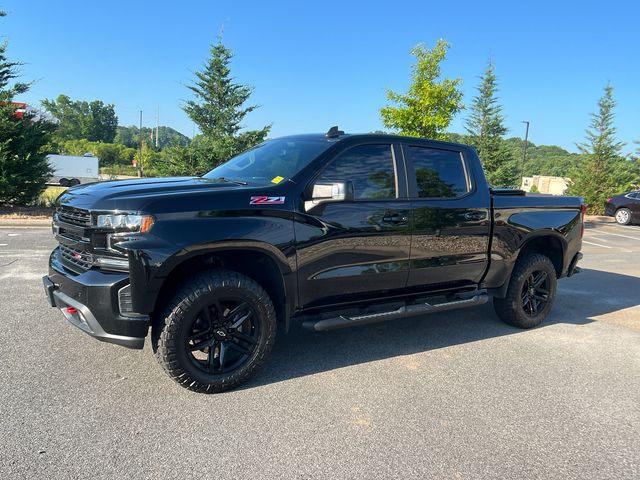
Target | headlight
(134,223)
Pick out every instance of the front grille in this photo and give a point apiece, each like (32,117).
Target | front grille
(63,232)
(74,216)
(76,260)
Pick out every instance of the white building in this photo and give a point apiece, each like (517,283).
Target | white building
(546,184)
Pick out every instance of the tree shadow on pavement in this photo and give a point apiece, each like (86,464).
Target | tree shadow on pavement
(300,352)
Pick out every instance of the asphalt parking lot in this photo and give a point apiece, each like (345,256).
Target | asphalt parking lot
(454,395)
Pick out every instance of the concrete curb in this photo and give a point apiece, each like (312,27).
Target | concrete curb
(598,219)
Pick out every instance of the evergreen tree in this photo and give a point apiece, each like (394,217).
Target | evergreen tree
(218,110)
(604,171)
(485,126)
(428,107)
(24,169)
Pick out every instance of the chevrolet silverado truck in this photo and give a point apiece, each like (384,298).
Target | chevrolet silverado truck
(326,230)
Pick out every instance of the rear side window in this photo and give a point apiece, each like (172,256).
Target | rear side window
(439,173)
(369,167)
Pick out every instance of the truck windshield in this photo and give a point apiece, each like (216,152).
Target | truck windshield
(271,162)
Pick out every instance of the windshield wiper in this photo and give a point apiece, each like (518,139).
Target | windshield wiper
(231,180)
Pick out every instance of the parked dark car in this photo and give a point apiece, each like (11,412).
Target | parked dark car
(328,230)
(625,208)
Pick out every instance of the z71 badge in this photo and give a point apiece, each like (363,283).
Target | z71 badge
(266,200)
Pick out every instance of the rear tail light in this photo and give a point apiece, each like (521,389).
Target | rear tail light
(583,212)
(610,199)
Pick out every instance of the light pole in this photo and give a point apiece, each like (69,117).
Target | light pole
(524,150)
(140,147)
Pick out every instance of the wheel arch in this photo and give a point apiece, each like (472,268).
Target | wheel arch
(254,261)
(549,243)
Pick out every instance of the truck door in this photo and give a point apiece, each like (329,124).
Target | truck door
(451,218)
(357,247)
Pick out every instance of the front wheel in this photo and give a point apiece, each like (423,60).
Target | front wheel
(623,216)
(216,332)
(531,292)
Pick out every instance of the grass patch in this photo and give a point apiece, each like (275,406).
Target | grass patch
(48,198)
(41,208)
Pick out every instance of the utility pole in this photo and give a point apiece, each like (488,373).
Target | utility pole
(157,125)
(140,147)
(524,150)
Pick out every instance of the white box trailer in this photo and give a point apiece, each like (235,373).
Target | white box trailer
(72,170)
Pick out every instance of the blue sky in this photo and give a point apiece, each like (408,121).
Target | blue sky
(317,64)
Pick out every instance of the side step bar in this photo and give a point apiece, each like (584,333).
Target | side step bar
(342,321)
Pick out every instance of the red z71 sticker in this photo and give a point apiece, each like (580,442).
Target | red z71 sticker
(266,200)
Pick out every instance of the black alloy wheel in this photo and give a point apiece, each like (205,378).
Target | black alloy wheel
(223,335)
(535,293)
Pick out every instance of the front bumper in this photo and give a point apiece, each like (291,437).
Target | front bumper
(95,302)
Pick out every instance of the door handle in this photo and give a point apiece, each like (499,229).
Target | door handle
(475,216)
(396,219)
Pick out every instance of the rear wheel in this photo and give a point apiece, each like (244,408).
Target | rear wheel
(623,216)
(531,292)
(216,332)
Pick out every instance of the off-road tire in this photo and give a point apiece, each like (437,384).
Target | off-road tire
(172,326)
(510,309)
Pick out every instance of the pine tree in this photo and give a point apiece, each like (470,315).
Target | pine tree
(603,170)
(428,107)
(486,129)
(218,110)
(24,169)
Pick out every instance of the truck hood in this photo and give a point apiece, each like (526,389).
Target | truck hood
(132,194)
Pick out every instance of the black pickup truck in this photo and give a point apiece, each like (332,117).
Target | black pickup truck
(331,230)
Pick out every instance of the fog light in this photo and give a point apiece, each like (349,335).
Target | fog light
(110,263)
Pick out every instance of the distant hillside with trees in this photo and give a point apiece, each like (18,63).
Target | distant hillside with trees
(167,136)
(549,160)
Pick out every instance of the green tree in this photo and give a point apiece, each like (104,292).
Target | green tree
(176,160)
(167,136)
(109,154)
(24,169)
(431,102)
(78,119)
(144,157)
(485,126)
(219,109)
(604,171)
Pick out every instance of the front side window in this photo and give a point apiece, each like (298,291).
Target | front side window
(439,173)
(369,167)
